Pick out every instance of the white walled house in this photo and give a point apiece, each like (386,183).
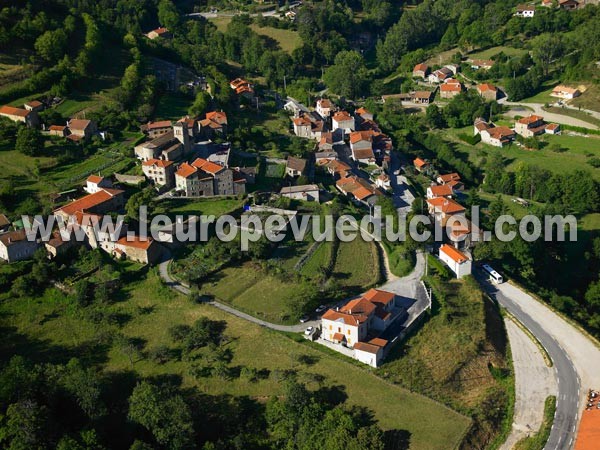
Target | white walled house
(456,260)
(15,246)
(94,183)
(342,120)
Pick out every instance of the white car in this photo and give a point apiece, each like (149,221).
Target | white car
(320,309)
(309,331)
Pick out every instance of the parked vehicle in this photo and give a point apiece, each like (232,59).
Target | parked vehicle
(309,331)
(495,277)
(304,319)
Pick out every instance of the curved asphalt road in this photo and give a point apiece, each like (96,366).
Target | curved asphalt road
(562,435)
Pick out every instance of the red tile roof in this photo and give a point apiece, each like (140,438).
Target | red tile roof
(449,177)
(159,124)
(207,166)
(157,162)
(185,170)
(217,116)
(365,347)
(95,179)
(79,124)
(418,162)
(421,68)
(486,87)
(442,190)
(445,205)
(12,111)
(57,127)
(13,236)
(342,116)
(135,242)
(530,119)
(456,255)
(89,201)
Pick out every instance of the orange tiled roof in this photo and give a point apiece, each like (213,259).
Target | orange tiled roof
(421,68)
(342,116)
(449,177)
(90,201)
(135,242)
(442,190)
(456,255)
(157,162)
(207,166)
(12,111)
(418,162)
(95,179)
(185,170)
(486,87)
(445,205)
(530,119)
(79,124)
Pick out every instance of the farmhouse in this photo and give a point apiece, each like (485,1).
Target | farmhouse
(309,125)
(169,146)
(422,97)
(487,91)
(58,130)
(242,87)
(456,260)
(420,165)
(155,129)
(16,246)
(361,145)
(525,10)
(34,105)
(358,189)
(338,168)
(144,251)
(484,64)
(29,118)
(420,71)
(215,122)
(160,32)
(101,202)
(565,92)
(364,113)
(307,192)
(447,178)
(451,88)
(530,126)
(161,172)
(295,167)
(82,128)
(357,324)
(94,183)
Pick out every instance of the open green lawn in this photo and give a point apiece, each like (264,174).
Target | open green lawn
(318,260)
(490,52)
(49,328)
(221,23)
(578,151)
(288,40)
(356,264)
(252,289)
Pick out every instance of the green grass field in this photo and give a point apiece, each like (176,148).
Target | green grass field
(288,40)
(172,107)
(490,52)
(356,264)
(578,150)
(216,206)
(590,99)
(49,329)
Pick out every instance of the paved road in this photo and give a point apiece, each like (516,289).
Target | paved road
(519,109)
(576,357)
(534,382)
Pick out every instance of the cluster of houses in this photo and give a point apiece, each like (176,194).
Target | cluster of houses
(499,136)
(75,130)
(528,10)
(242,87)
(331,126)
(359,324)
(447,212)
(168,147)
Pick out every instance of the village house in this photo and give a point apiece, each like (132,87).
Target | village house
(342,120)
(156,129)
(484,64)
(58,130)
(361,145)
(441,209)
(57,246)
(16,246)
(101,202)
(203,178)
(447,178)
(324,107)
(214,122)
(309,126)
(34,105)
(552,128)
(29,118)
(364,113)
(338,168)
(294,167)
(422,97)
(161,172)
(530,126)
(144,251)
(547,3)
(421,165)
(525,10)
(420,71)
(242,87)
(359,189)
(295,107)
(357,324)
(326,141)
(440,75)
(306,192)
(160,32)
(491,134)
(81,129)
(442,190)
(169,146)
(94,183)
(565,92)
(456,260)
(487,91)
(450,89)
